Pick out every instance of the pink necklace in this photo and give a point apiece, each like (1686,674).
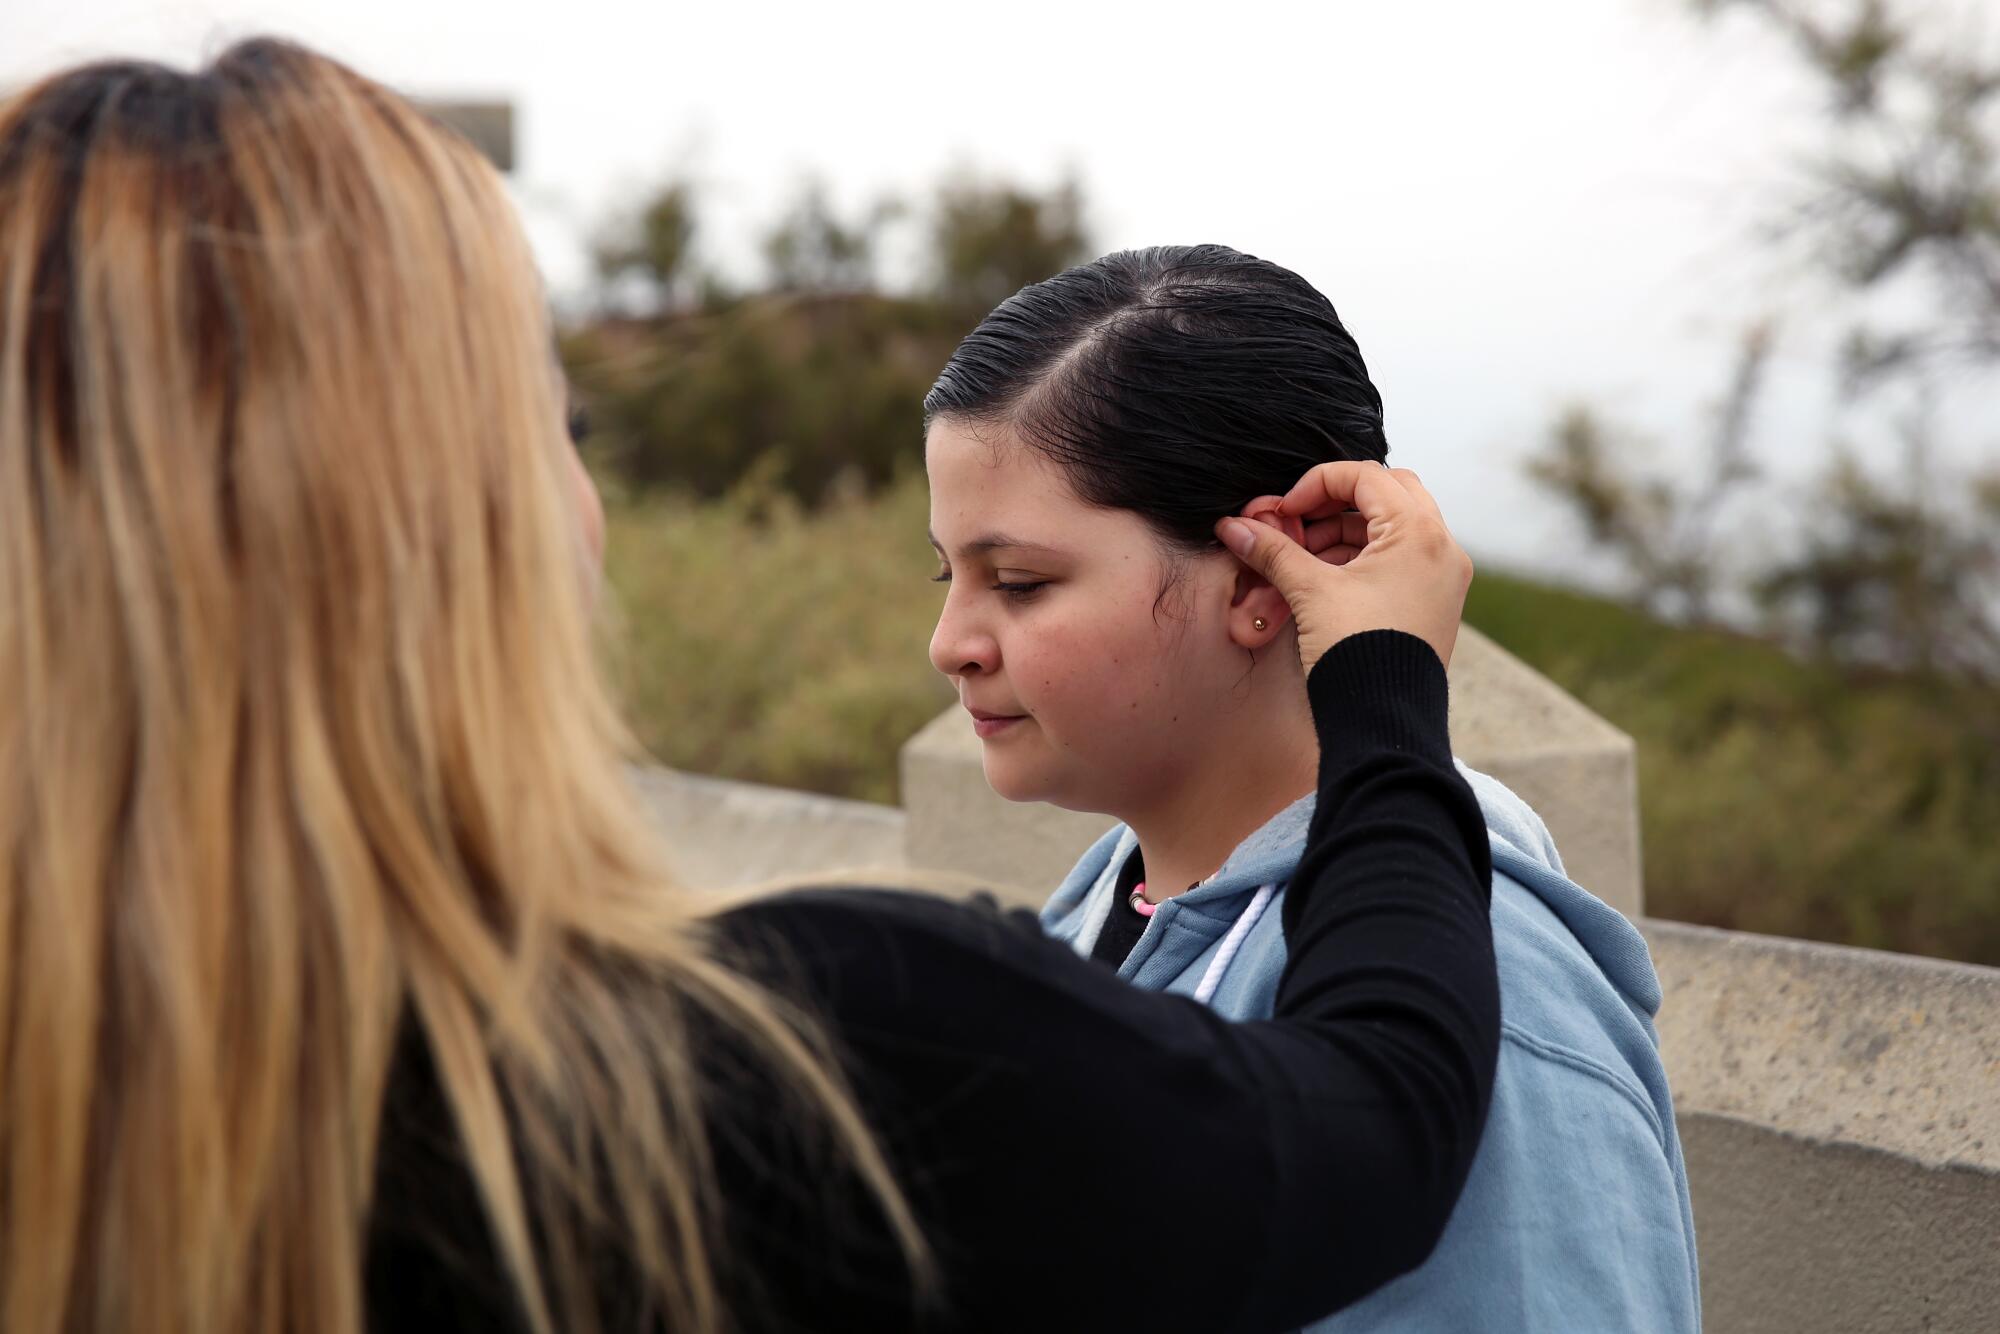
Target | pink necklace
(1145,909)
(1231,943)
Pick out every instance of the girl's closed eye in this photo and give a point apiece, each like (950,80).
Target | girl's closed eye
(1020,590)
(1017,589)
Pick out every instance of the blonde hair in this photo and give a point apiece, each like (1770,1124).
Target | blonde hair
(301,732)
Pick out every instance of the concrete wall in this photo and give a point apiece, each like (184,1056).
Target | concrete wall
(1840,1112)
(1507,719)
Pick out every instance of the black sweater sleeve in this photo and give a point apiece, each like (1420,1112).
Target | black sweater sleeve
(1085,1155)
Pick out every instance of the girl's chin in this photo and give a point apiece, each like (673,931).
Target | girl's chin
(1013,780)
(1014,786)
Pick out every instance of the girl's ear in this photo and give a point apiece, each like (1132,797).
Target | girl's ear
(1257,614)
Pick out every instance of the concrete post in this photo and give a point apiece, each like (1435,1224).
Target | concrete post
(1579,772)
(488,124)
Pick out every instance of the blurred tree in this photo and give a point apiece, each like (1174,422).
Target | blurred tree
(1898,212)
(814,385)
(1904,188)
(1895,570)
(812,250)
(1663,531)
(647,257)
(817,392)
(990,240)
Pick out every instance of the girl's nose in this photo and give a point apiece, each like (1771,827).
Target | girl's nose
(961,648)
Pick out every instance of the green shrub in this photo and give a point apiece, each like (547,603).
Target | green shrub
(761,641)
(813,391)
(1778,795)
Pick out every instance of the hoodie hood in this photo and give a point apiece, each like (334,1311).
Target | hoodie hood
(1076,912)
(1523,852)
(1536,1241)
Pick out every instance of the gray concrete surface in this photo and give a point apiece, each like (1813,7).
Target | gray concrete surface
(1840,1112)
(1802,1236)
(724,835)
(1886,1050)
(1578,771)
(1574,768)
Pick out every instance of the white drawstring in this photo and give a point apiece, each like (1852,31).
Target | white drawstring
(1226,954)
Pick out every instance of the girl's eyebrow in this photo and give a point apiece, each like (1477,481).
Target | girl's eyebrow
(979,546)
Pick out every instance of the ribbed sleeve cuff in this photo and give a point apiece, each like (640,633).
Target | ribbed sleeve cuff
(1380,689)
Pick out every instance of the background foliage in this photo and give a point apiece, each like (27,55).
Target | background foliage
(1819,735)
(1891,228)
(767,642)
(756,639)
(812,382)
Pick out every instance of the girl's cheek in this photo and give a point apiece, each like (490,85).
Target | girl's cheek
(1058,669)
(1094,659)
(1049,639)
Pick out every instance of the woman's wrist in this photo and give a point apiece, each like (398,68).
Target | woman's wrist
(1380,690)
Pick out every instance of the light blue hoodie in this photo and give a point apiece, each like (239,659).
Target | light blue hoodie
(1576,1214)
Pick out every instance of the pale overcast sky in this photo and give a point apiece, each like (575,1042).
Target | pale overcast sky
(1510,204)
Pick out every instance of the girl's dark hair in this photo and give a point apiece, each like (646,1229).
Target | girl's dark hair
(1178,382)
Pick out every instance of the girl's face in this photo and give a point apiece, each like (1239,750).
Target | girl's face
(1088,688)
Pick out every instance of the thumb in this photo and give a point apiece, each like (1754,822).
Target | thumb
(1269,552)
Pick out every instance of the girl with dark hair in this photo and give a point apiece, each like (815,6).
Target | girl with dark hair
(1082,444)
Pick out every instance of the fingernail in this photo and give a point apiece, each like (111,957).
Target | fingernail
(1236,535)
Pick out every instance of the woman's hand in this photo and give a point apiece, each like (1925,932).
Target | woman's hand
(1377,556)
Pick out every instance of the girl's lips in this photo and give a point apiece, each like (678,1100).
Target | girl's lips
(987,727)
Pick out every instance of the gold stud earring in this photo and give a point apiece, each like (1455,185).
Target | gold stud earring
(1260,623)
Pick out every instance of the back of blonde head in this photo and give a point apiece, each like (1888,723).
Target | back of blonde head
(300,732)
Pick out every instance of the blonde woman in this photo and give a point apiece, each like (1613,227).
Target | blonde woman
(341,986)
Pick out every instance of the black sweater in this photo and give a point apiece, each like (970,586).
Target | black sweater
(1043,1115)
